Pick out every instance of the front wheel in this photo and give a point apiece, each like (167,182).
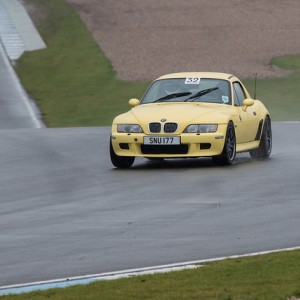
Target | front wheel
(265,145)
(122,162)
(227,156)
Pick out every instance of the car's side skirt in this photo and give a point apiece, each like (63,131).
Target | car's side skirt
(244,147)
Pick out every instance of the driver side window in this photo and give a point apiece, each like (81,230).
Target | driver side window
(239,95)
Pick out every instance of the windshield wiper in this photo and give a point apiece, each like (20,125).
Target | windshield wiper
(171,96)
(202,93)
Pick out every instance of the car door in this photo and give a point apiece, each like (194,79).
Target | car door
(246,129)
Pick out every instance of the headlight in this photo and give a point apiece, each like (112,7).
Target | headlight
(129,128)
(201,128)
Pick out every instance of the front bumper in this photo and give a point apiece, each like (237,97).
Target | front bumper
(192,144)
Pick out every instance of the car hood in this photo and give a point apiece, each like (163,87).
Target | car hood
(181,113)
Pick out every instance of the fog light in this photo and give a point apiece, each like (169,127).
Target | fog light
(205,146)
(124,146)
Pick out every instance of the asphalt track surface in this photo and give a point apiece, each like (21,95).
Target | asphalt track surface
(65,211)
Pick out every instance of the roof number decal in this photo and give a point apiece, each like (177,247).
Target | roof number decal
(192,80)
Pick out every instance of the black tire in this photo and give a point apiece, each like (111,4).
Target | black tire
(265,145)
(122,162)
(228,154)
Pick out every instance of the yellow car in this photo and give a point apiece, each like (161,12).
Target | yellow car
(189,115)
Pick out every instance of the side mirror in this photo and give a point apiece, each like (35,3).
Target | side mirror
(134,102)
(247,102)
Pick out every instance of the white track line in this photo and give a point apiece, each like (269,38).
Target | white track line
(80,280)
(37,123)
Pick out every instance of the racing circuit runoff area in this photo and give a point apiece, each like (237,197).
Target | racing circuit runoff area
(65,211)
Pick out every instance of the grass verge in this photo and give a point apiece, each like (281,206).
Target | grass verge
(272,276)
(281,95)
(72,81)
(75,85)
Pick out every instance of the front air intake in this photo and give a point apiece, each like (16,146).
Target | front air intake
(165,149)
(155,127)
(170,127)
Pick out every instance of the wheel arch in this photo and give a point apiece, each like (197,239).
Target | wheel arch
(261,126)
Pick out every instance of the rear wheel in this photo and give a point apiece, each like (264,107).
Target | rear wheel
(227,156)
(265,145)
(123,162)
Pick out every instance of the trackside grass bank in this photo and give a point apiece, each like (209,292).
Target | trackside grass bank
(72,82)
(281,95)
(269,277)
(75,85)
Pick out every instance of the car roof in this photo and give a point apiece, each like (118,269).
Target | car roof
(198,75)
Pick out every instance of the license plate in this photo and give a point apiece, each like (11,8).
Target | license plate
(161,140)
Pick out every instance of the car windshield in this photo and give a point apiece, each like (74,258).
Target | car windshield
(188,90)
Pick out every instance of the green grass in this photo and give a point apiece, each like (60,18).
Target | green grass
(280,95)
(72,81)
(273,277)
(75,85)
